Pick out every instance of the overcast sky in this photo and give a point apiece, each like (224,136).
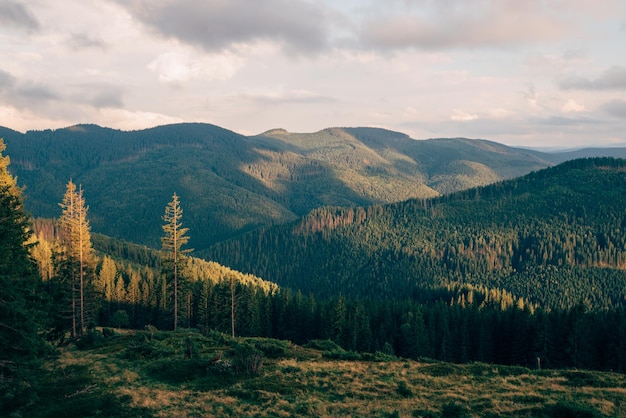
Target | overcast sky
(521,72)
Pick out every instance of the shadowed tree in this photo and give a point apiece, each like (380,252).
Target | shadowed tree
(20,299)
(172,254)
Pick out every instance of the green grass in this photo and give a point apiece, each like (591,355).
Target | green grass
(108,380)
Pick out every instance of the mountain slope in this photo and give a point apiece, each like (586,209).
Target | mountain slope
(555,237)
(230,184)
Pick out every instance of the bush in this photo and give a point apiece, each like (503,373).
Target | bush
(441,369)
(341,354)
(378,356)
(108,332)
(247,359)
(218,338)
(565,409)
(404,390)
(454,410)
(270,347)
(177,370)
(579,378)
(140,348)
(90,339)
(323,345)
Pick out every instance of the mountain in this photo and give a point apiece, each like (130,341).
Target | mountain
(554,237)
(230,184)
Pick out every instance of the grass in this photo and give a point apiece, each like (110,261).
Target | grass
(111,379)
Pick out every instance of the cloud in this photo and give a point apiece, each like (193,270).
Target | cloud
(6,80)
(83,41)
(33,91)
(182,65)
(571,106)
(217,25)
(612,79)
(460,24)
(287,97)
(616,108)
(97,95)
(15,14)
(462,116)
(18,93)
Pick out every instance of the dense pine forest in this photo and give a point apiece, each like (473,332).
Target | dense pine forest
(554,238)
(526,272)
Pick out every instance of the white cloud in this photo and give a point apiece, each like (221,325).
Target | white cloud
(131,120)
(183,65)
(462,116)
(572,106)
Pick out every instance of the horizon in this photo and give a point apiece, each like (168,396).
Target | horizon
(545,149)
(531,75)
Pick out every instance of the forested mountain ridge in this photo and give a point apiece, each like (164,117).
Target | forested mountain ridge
(555,237)
(229,183)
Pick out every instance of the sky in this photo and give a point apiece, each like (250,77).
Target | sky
(533,73)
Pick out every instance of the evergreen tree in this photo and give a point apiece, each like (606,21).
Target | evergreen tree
(172,254)
(20,299)
(77,258)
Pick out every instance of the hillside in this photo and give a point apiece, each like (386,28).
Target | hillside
(230,184)
(554,237)
(141,374)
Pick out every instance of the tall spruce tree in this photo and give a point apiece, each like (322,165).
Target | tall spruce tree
(76,262)
(172,254)
(20,299)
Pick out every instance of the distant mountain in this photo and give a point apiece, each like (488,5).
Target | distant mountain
(230,183)
(555,237)
(615,152)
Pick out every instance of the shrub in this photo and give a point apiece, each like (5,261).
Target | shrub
(579,378)
(177,370)
(440,369)
(108,332)
(140,348)
(454,410)
(247,359)
(323,345)
(90,339)
(341,354)
(404,390)
(218,338)
(271,348)
(378,356)
(565,409)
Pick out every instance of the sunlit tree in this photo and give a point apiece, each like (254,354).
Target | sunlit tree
(172,254)
(77,258)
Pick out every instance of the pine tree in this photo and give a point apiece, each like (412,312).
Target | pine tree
(77,259)
(20,299)
(232,280)
(172,254)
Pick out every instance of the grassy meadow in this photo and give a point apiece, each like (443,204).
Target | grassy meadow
(188,374)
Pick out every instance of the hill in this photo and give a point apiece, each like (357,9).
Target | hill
(188,374)
(230,184)
(554,237)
